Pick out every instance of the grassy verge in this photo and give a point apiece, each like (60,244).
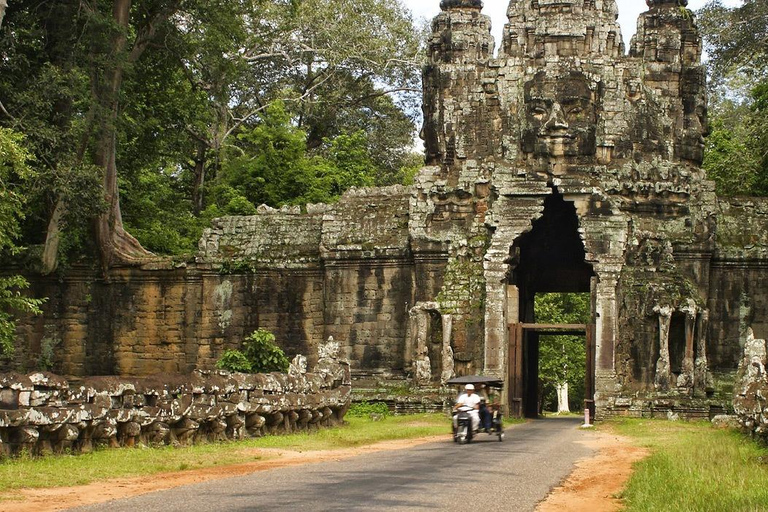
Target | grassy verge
(694,467)
(63,470)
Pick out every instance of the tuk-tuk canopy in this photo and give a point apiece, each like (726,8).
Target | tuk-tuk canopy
(493,382)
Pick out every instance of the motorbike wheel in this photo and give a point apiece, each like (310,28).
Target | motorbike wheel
(462,434)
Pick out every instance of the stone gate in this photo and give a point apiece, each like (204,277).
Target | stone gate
(561,162)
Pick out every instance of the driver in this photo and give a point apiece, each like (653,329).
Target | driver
(470,399)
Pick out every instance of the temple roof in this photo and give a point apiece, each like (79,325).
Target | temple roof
(681,3)
(452,4)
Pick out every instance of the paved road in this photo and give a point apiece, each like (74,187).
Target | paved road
(485,475)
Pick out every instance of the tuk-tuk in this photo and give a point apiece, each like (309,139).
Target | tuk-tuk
(490,411)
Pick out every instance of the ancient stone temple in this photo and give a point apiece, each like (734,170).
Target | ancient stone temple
(557,162)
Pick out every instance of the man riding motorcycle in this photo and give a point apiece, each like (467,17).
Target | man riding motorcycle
(469,399)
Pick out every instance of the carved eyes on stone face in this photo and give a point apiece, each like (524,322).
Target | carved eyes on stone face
(566,113)
(540,112)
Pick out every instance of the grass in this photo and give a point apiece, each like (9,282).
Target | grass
(68,470)
(694,467)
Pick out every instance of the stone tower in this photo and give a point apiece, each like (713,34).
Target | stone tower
(582,165)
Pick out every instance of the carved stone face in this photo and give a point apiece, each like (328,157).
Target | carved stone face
(560,116)
(695,126)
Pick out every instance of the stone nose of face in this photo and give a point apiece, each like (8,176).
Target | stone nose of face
(556,118)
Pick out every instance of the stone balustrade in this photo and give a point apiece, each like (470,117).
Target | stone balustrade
(44,413)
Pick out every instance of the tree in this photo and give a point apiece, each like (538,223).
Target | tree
(44,92)
(276,168)
(736,38)
(171,92)
(562,359)
(15,173)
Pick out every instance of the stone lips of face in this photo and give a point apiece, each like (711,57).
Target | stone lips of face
(560,115)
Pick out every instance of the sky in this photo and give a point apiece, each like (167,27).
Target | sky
(497,10)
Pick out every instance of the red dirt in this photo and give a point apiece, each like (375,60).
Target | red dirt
(596,482)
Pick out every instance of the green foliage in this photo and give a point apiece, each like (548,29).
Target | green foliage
(260,349)
(260,102)
(234,361)
(15,175)
(728,161)
(47,353)
(260,354)
(11,299)
(365,409)
(562,358)
(277,169)
(274,168)
(736,156)
(159,214)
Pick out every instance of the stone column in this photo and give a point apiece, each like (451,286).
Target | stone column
(495,316)
(685,380)
(605,333)
(663,369)
(448,363)
(701,371)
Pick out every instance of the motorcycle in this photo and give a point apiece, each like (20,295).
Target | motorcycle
(463,431)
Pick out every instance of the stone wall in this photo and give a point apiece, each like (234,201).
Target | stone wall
(42,412)
(139,322)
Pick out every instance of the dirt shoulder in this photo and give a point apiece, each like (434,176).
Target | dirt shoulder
(596,482)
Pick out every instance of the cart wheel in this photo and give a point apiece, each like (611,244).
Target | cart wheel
(501,436)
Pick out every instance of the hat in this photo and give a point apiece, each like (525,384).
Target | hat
(469,387)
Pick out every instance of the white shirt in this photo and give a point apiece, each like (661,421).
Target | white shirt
(469,400)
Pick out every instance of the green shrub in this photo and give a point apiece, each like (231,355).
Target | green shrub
(263,354)
(234,361)
(260,354)
(365,409)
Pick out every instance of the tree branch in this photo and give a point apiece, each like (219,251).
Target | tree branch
(147,33)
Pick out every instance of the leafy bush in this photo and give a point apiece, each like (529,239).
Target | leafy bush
(260,354)
(234,361)
(365,409)
(263,354)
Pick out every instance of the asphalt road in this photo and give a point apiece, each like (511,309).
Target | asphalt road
(486,475)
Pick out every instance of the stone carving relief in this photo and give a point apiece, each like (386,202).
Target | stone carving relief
(560,115)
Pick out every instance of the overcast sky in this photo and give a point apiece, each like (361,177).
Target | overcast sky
(497,10)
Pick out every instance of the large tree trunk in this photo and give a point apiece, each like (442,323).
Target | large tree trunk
(562,398)
(50,257)
(115,244)
(3,5)
(199,185)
